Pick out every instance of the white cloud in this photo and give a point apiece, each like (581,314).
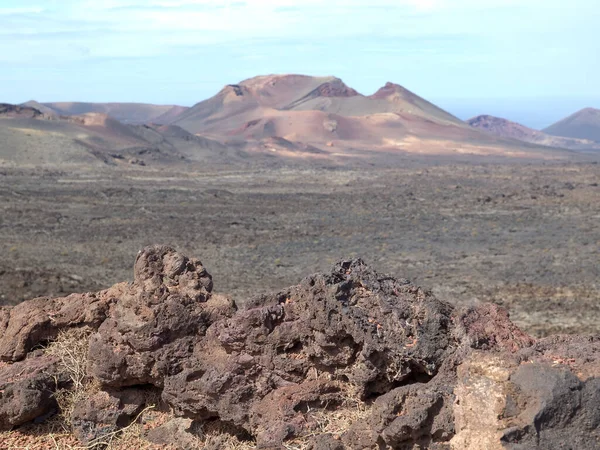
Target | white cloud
(121,28)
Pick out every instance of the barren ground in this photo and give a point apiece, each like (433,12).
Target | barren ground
(524,235)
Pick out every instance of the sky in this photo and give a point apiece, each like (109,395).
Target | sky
(532,61)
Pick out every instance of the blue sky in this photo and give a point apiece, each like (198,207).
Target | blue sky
(533,61)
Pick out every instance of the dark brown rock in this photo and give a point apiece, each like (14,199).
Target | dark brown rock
(580,353)
(281,413)
(358,327)
(555,410)
(27,388)
(325,441)
(105,412)
(38,321)
(176,432)
(157,320)
(413,415)
(160,270)
(489,327)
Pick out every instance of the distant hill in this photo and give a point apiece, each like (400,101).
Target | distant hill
(30,137)
(271,97)
(325,113)
(506,128)
(170,115)
(8,110)
(135,113)
(584,124)
(270,117)
(42,108)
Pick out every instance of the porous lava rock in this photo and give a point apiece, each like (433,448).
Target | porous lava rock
(254,369)
(26,389)
(432,376)
(153,327)
(37,321)
(176,432)
(105,412)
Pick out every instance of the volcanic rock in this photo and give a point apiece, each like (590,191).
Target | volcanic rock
(431,376)
(506,401)
(506,128)
(106,412)
(153,327)
(26,390)
(177,431)
(39,320)
(9,110)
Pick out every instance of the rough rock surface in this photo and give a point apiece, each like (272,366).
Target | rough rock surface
(177,431)
(38,321)
(255,368)
(506,401)
(434,377)
(26,390)
(105,412)
(151,330)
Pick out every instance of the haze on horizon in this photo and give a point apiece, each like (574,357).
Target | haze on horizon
(531,61)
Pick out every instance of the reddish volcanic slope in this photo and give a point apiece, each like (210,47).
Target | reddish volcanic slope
(19,111)
(584,124)
(513,130)
(323,112)
(269,98)
(310,113)
(170,115)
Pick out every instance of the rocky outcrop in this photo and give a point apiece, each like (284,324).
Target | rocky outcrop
(511,401)
(255,368)
(176,432)
(152,329)
(432,376)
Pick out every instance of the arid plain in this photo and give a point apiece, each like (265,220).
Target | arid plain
(521,234)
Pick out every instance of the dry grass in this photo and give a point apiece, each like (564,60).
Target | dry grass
(70,348)
(335,422)
(52,435)
(212,434)
(36,437)
(217,434)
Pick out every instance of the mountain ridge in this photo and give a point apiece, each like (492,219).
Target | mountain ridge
(258,97)
(294,115)
(506,128)
(133,113)
(31,137)
(583,124)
